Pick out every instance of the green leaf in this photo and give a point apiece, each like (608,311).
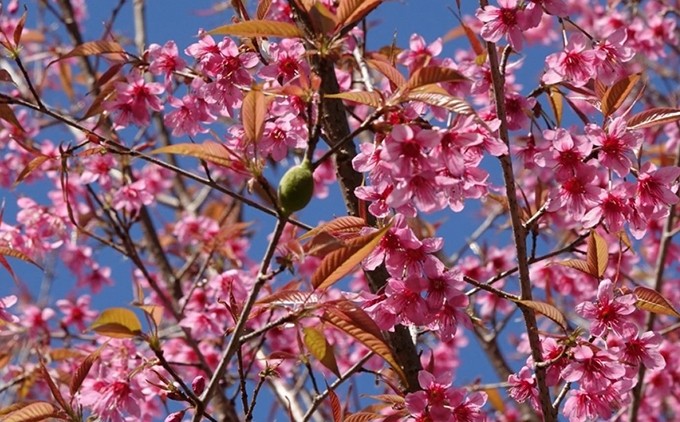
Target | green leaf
(259,28)
(117,323)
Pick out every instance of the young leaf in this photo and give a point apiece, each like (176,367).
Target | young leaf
(363,417)
(616,94)
(254,113)
(432,75)
(36,411)
(35,163)
(262,8)
(336,407)
(83,369)
(653,117)
(339,263)
(7,114)
(289,298)
(337,227)
(53,388)
(577,264)
(652,301)
(346,323)
(5,76)
(153,311)
(495,399)
(546,309)
(259,28)
(19,29)
(208,151)
(5,251)
(372,99)
(389,71)
(352,11)
(318,346)
(555,97)
(93,48)
(597,255)
(435,96)
(117,323)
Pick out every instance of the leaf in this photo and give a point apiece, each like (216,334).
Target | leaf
(19,29)
(33,412)
(5,76)
(254,113)
(652,301)
(66,78)
(363,417)
(364,334)
(32,165)
(53,388)
(616,94)
(262,8)
(259,28)
(336,407)
(289,298)
(318,346)
(337,227)
(208,151)
(372,99)
(83,369)
(389,71)
(440,98)
(5,251)
(93,48)
(547,310)
(495,399)
(7,114)
(597,255)
(352,11)
(153,311)
(393,399)
(600,88)
(555,97)
(340,262)
(432,75)
(117,323)
(323,20)
(322,244)
(577,264)
(96,106)
(653,117)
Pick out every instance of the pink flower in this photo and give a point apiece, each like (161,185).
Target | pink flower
(507,20)
(76,313)
(523,387)
(5,303)
(576,195)
(609,312)
(575,64)
(165,60)
(642,349)
(132,197)
(113,398)
(616,145)
(653,186)
(405,300)
(566,153)
(435,398)
(593,368)
(187,115)
(287,61)
(133,100)
(407,148)
(419,54)
(613,208)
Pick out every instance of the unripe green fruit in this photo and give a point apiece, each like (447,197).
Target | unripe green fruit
(296,188)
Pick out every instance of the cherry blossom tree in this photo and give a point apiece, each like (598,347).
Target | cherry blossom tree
(204,170)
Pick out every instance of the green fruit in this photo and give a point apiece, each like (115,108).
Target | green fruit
(296,188)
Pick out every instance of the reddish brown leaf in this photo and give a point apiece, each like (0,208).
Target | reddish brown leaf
(254,113)
(616,94)
(66,78)
(495,399)
(5,251)
(436,96)
(652,301)
(341,262)
(323,20)
(33,412)
(289,298)
(372,99)
(263,8)
(600,88)
(375,343)
(336,406)
(5,76)
(389,71)
(597,255)
(96,106)
(352,11)
(19,29)
(7,114)
(338,227)
(363,417)
(577,264)
(653,117)
(94,48)
(208,151)
(32,165)
(117,323)
(53,388)
(83,369)
(155,312)
(546,309)
(432,75)
(393,399)
(259,28)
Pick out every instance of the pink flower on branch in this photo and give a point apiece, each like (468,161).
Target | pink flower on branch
(509,20)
